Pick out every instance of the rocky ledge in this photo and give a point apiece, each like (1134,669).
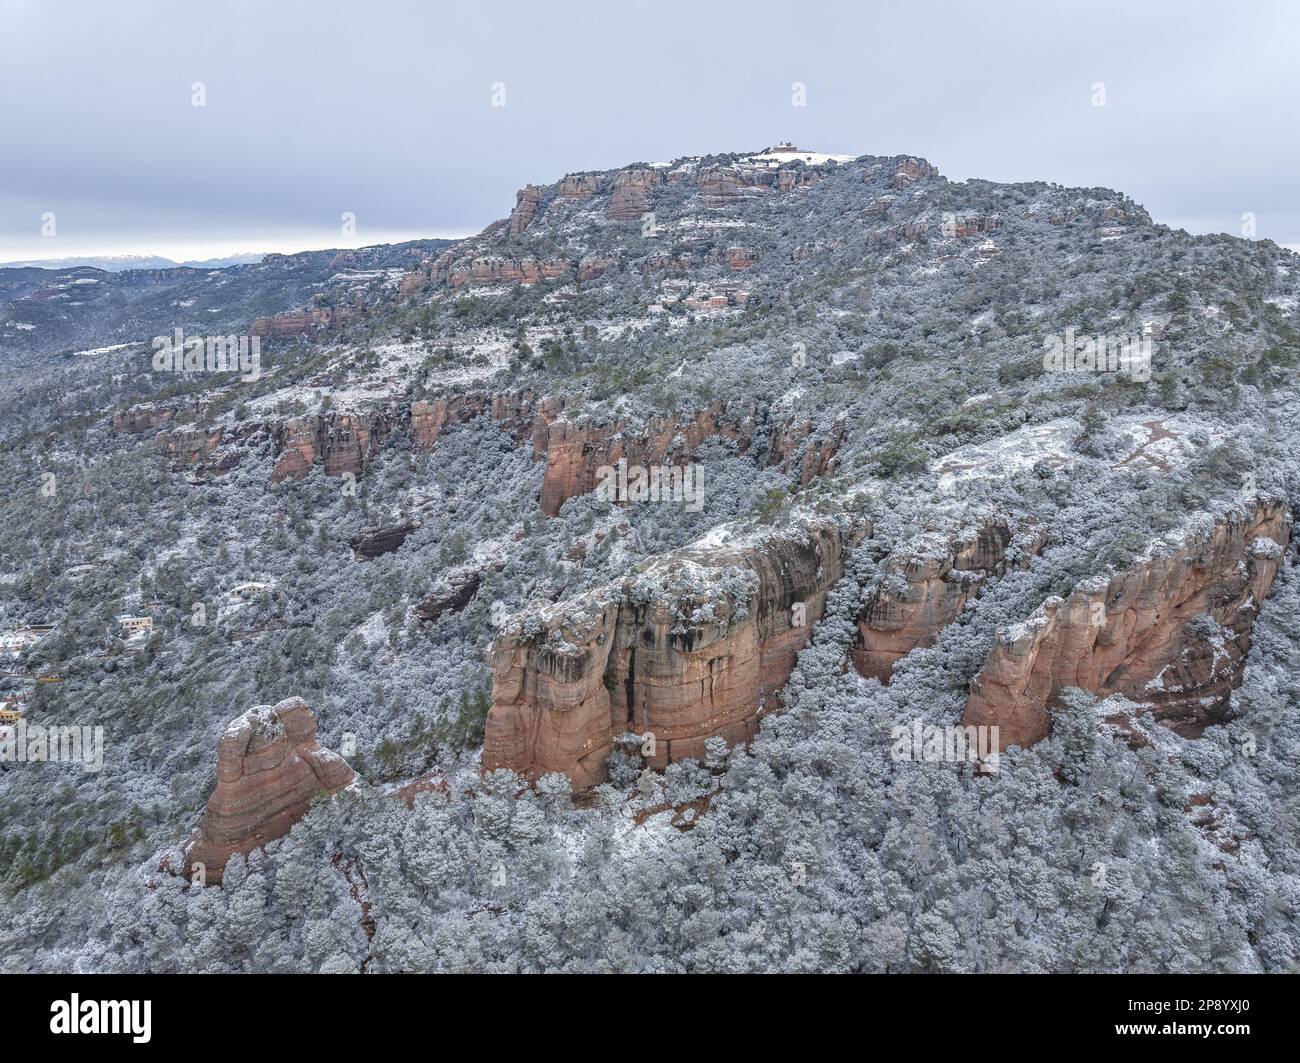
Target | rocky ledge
(927,582)
(1170,632)
(695,644)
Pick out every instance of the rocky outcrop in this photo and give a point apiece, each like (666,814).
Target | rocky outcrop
(347,442)
(376,540)
(927,582)
(817,457)
(739,258)
(1171,632)
(192,449)
(269,767)
(460,591)
(575,452)
(631,196)
(493,270)
(428,272)
(592,266)
(579,185)
(143,418)
(696,644)
(213,451)
(718,185)
(303,322)
(966,225)
(710,184)
(527,201)
(524,415)
(344,442)
(910,171)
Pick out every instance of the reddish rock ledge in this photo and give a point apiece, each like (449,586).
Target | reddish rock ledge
(1172,633)
(927,582)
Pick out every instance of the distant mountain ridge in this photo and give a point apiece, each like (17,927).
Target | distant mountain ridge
(118,263)
(48,311)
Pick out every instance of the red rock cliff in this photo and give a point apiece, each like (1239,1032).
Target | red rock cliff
(576,451)
(299,322)
(345,442)
(928,581)
(1172,632)
(696,644)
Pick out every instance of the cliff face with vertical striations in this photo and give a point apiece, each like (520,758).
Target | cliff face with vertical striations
(926,584)
(526,202)
(344,442)
(1172,632)
(631,196)
(524,415)
(193,448)
(697,644)
(576,451)
(303,322)
(269,767)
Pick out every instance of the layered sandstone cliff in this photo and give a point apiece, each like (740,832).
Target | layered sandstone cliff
(1171,632)
(143,418)
(928,581)
(575,452)
(525,415)
(491,269)
(192,448)
(347,442)
(696,644)
(269,767)
(309,321)
(526,203)
(631,197)
(344,442)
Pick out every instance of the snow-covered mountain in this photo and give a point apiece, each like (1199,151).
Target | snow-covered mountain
(651,557)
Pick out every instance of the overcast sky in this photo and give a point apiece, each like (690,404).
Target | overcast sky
(384,109)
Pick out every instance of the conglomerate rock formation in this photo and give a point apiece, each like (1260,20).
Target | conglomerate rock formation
(1172,632)
(697,644)
(269,767)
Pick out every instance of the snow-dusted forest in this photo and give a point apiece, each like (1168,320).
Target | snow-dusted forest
(868,340)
